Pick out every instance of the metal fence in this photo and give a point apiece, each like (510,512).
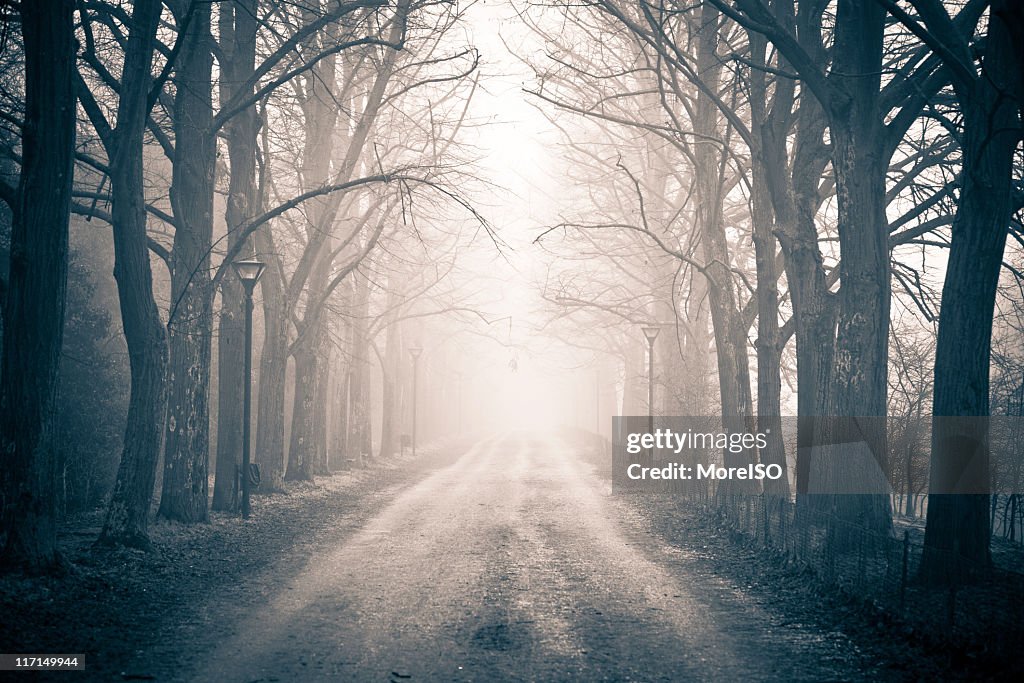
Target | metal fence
(882,568)
(879,568)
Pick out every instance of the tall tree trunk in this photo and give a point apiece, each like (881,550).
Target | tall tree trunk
(320,121)
(388,423)
(307,445)
(634,379)
(769,343)
(34,306)
(186,456)
(238,28)
(340,448)
(390,371)
(672,377)
(769,340)
(321,391)
(360,439)
(320,117)
(794,198)
(300,451)
(230,376)
(729,328)
(859,384)
(339,422)
(146,337)
(957,535)
(273,369)
(695,357)
(793,189)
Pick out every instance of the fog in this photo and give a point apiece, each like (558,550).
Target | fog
(263,260)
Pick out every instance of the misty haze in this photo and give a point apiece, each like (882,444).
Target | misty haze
(500,340)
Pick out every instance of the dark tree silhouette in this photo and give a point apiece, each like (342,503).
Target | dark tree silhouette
(991,101)
(238,30)
(33,310)
(128,513)
(187,444)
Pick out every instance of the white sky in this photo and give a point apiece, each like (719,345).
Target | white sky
(518,151)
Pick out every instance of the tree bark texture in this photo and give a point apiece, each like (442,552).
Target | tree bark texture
(34,304)
(238,28)
(270,413)
(957,534)
(187,450)
(146,337)
(859,382)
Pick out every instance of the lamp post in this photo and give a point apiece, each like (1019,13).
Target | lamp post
(248,273)
(415,352)
(651,332)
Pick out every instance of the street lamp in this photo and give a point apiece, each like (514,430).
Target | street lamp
(415,352)
(248,273)
(651,332)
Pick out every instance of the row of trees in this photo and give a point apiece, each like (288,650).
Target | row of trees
(776,171)
(322,137)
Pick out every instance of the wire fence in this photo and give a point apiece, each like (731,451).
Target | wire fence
(984,617)
(882,567)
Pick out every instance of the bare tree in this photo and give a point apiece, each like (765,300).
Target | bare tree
(190,320)
(33,309)
(238,28)
(991,97)
(128,512)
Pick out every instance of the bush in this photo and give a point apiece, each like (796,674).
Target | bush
(92,393)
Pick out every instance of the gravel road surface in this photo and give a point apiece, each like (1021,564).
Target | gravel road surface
(515,563)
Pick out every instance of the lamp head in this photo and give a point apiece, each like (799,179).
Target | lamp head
(415,351)
(248,272)
(651,332)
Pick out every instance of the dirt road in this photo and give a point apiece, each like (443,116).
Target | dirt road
(515,563)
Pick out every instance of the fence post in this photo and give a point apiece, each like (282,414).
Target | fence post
(830,546)
(952,604)
(782,525)
(767,523)
(905,569)
(801,544)
(862,560)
